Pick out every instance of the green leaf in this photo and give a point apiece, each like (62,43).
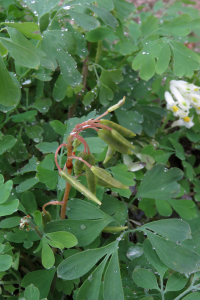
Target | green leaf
(41,279)
(185,208)
(112,280)
(145,279)
(159,183)
(28,201)
(145,61)
(27,28)
(96,145)
(179,26)
(175,256)
(176,282)
(153,258)
(48,177)
(90,288)
(149,26)
(79,264)
(9,208)
(22,55)
(85,21)
(26,185)
(120,172)
(10,222)
(179,149)
(19,39)
(67,239)
(192,296)
(85,231)
(186,61)
(106,17)
(59,127)
(27,116)
(5,191)
(30,167)
(42,104)
(19,152)
(163,208)
(163,59)
(32,293)
(48,258)
(10,93)
(98,34)
(5,262)
(189,170)
(42,7)
(35,132)
(106,4)
(47,147)
(59,89)
(130,120)
(174,229)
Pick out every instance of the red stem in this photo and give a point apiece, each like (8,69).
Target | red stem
(80,158)
(56,153)
(83,141)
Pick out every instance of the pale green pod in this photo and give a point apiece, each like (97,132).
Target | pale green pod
(78,165)
(91,178)
(120,138)
(75,144)
(115,229)
(111,141)
(116,106)
(109,154)
(105,176)
(79,186)
(122,130)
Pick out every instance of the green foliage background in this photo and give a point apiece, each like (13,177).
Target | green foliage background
(61,65)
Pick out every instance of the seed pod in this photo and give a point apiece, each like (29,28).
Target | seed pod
(79,186)
(105,176)
(109,154)
(91,178)
(122,130)
(116,106)
(114,229)
(75,144)
(78,165)
(109,139)
(46,217)
(121,139)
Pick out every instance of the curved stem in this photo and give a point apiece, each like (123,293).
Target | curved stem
(56,153)
(80,158)
(83,141)
(51,203)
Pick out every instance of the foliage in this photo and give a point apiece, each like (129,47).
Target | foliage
(92,209)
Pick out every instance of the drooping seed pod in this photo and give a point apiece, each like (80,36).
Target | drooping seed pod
(75,144)
(104,175)
(78,165)
(79,186)
(115,229)
(109,139)
(121,139)
(122,130)
(91,178)
(46,217)
(109,154)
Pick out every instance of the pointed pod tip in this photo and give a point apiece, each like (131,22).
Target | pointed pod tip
(116,106)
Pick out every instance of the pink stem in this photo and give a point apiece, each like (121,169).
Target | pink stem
(80,158)
(85,144)
(56,161)
(51,203)
(104,114)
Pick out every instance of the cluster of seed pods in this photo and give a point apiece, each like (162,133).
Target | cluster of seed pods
(114,136)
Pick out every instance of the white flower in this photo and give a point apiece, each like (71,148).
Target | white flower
(174,106)
(186,121)
(182,102)
(184,86)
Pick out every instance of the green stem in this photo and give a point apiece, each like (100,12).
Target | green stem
(98,53)
(188,290)
(27,91)
(165,122)
(14,273)
(161,288)
(129,204)
(123,61)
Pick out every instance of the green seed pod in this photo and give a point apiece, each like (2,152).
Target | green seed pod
(122,130)
(114,229)
(105,176)
(78,165)
(79,186)
(46,217)
(121,139)
(109,139)
(75,144)
(91,178)
(109,154)
(103,183)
